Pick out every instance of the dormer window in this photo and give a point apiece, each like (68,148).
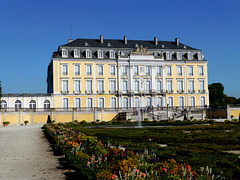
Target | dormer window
(88,53)
(168,55)
(100,54)
(200,56)
(76,53)
(112,54)
(64,53)
(179,56)
(190,56)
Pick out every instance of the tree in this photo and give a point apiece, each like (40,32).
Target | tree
(216,96)
(49,119)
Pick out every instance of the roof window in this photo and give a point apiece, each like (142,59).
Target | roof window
(88,53)
(64,53)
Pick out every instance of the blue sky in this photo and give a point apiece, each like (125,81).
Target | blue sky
(31,30)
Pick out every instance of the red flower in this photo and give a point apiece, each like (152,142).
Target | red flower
(114,176)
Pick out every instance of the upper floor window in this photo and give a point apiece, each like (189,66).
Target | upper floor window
(179,56)
(101,102)
(136,70)
(180,85)
(201,85)
(76,53)
(112,54)
(179,70)
(32,104)
(88,70)
(112,70)
(148,86)
(64,53)
(168,55)
(113,86)
(46,105)
(200,56)
(77,86)
(65,86)
(100,54)
(159,86)
(159,70)
(190,56)
(124,87)
(147,70)
(190,70)
(88,86)
(169,70)
(88,53)
(124,70)
(100,70)
(169,85)
(113,102)
(4,105)
(136,86)
(64,69)
(76,69)
(200,71)
(100,86)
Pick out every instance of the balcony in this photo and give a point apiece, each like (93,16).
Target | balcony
(64,92)
(77,92)
(180,91)
(112,91)
(201,91)
(170,91)
(100,91)
(191,91)
(88,91)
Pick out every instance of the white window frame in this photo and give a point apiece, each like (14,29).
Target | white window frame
(180,85)
(77,104)
(169,70)
(191,85)
(100,54)
(201,101)
(136,70)
(112,86)
(124,86)
(200,56)
(100,69)
(112,70)
(136,86)
(77,86)
(89,103)
(64,69)
(148,101)
(64,53)
(148,86)
(88,70)
(179,70)
(159,70)
(159,86)
(179,56)
(124,70)
(88,53)
(137,103)
(76,53)
(77,69)
(113,102)
(170,101)
(168,55)
(89,87)
(65,86)
(148,70)
(125,102)
(190,71)
(192,101)
(101,102)
(201,70)
(112,54)
(65,103)
(190,56)
(100,86)
(181,101)
(201,85)
(169,85)
(159,101)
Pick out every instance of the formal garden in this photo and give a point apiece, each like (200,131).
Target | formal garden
(157,150)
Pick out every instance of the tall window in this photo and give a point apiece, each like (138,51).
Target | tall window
(113,102)
(192,101)
(180,85)
(200,71)
(64,86)
(46,105)
(169,70)
(88,53)
(159,71)
(112,70)
(147,70)
(124,70)
(202,101)
(32,105)
(191,85)
(4,105)
(113,86)
(112,54)
(179,70)
(89,103)
(64,69)
(170,101)
(88,70)
(136,86)
(124,86)
(148,86)
(159,102)
(148,102)
(100,70)
(100,86)
(65,103)
(159,86)
(201,85)
(181,102)
(76,69)
(77,104)
(18,105)
(137,102)
(77,86)
(76,53)
(125,102)
(169,85)
(136,70)
(101,102)
(100,54)
(89,86)
(190,70)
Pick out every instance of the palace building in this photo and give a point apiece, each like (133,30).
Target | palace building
(91,79)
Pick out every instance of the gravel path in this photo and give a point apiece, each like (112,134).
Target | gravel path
(25,153)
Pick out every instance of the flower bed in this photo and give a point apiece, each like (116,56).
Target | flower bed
(94,160)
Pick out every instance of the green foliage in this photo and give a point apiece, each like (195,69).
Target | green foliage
(98,120)
(49,119)
(216,95)
(185,117)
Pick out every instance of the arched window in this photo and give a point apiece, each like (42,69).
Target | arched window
(159,102)
(181,102)
(137,102)
(32,105)
(125,102)
(148,102)
(4,105)
(192,101)
(78,104)
(46,105)
(113,102)
(89,103)
(170,101)
(202,101)
(65,103)
(18,105)
(101,102)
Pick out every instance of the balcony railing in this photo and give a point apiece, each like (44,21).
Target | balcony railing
(201,91)
(64,92)
(100,91)
(191,91)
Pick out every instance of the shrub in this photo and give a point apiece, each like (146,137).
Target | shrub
(83,122)
(98,120)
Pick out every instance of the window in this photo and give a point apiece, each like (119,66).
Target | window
(192,101)
(112,70)
(100,70)
(32,105)
(65,103)
(125,102)
(64,86)
(169,85)
(179,70)
(168,55)
(181,102)
(170,101)
(88,53)
(88,70)
(64,53)
(201,85)
(179,56)
(180,86)
(77,86)
(77,104)
(137,102)
(89,86)
(200,56)
(147,70)
(89,103)
(112,54)
(76,69)
(112,86)
(113,102)
(46,105)
(76,53)
(101,102)
(159,86)
(190,56)
(18,105)
(136,70)
(200,71)
(159,102)
(136,86)
(191,86)
(124,70)
(148,102)
(148,86)
(100,54)
(4,105)
(202,101)
(64,69)
(124,86)
(169,70)
(159,71)
(190,70)
(100,86)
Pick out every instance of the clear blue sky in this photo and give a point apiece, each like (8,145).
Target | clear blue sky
(31,30)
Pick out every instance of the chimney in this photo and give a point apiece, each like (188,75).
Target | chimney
(125,39)
(70,40)
(155,41)
(101,39)
(177,41)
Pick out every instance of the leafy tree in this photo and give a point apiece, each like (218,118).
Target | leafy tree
(216,96)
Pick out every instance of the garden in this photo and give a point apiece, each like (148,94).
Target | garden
(161,150)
